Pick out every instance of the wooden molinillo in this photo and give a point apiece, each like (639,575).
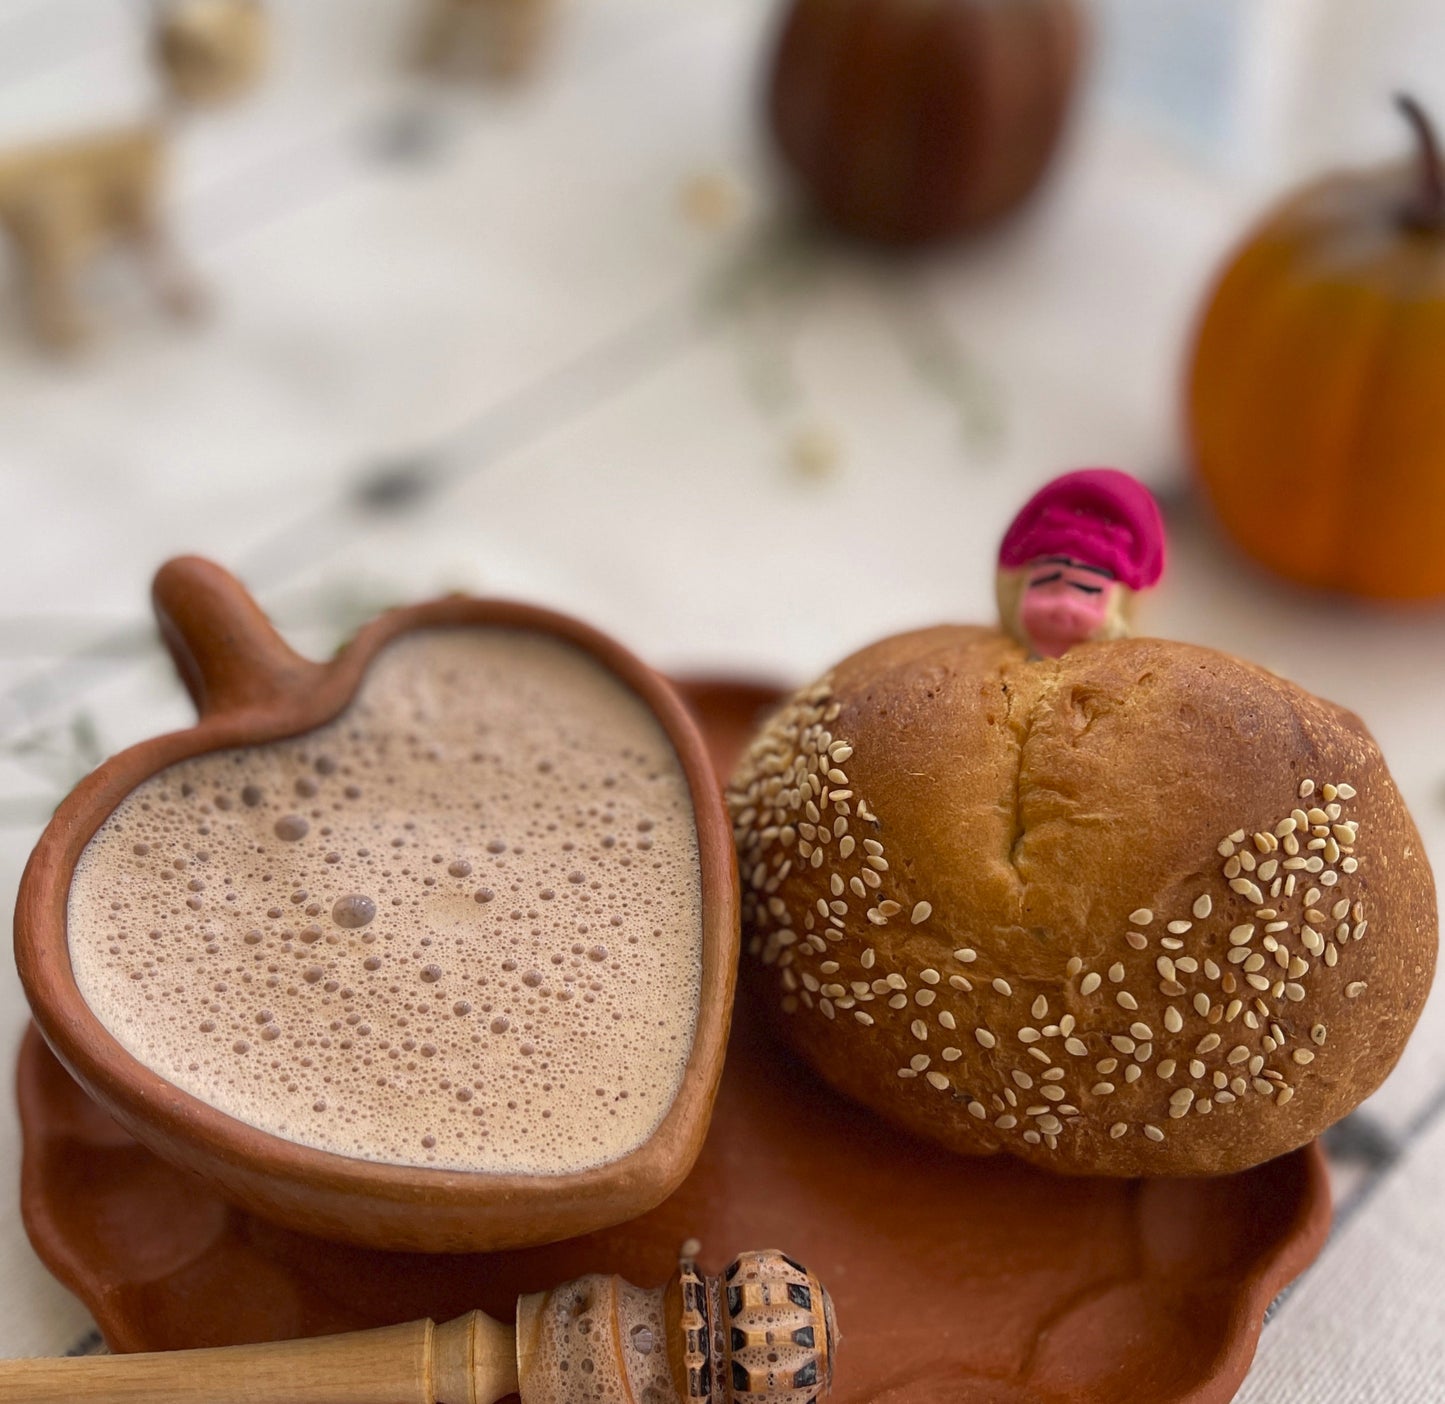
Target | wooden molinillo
(762,1330)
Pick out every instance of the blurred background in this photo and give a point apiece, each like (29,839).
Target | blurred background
(573,337)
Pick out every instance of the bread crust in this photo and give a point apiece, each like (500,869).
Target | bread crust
(976,963)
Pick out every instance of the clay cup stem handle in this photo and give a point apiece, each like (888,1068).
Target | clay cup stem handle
(227,652)
(470,1360)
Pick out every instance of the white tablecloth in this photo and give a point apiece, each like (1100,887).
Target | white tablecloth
(468,339)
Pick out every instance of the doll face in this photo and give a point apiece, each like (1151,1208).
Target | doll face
(1064,602)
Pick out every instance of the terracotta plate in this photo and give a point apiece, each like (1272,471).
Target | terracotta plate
(955,1280)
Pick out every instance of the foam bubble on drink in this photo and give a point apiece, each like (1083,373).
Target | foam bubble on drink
(458,927)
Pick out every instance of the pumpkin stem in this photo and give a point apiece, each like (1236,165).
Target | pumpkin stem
(1427,209)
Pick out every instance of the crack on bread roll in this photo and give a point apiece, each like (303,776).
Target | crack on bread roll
(1184,1010)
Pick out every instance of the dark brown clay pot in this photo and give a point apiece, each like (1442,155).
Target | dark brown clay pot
(250,687)
(911,121)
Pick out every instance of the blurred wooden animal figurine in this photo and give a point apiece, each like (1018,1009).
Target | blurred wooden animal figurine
(500,38)
(763,1331)
(63,202)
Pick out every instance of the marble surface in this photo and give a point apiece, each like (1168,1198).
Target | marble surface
(469,338)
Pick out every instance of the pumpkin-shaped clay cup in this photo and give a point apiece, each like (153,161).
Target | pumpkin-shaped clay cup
(1143,909)
(431,946)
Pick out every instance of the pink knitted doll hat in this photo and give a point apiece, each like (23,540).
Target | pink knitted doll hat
(1098,516)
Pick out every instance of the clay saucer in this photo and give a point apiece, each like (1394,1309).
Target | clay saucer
(956,1281)
(250,687)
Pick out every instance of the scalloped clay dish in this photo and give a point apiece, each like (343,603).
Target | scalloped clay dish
(956,1281)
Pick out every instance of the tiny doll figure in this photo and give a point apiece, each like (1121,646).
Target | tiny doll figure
(1074,558)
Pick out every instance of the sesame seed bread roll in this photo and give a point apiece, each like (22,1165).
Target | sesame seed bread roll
(1144,909)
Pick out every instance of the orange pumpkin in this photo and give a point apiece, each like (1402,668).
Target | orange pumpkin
(1316,394)
(907,121)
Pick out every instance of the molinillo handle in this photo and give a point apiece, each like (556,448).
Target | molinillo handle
(764,1330)
(471,1360)
(227,652)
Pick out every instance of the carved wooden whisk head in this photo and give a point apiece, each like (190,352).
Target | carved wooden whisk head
(763,1329)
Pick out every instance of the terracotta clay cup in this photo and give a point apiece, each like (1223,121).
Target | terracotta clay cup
(250,687)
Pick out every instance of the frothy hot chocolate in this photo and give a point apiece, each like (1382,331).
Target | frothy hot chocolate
(458,927)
